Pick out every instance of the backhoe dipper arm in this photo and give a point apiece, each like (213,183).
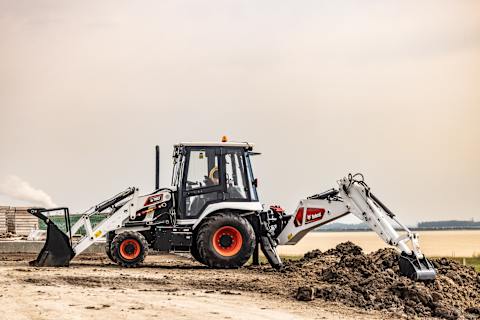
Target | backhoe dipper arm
(358,197)
(354,197)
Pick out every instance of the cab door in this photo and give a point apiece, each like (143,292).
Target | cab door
(203,181)
(237,186)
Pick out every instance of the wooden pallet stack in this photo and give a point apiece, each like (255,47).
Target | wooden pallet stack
(3,220)
(20,222)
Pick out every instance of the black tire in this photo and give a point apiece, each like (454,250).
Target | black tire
(194,251)
(242,248)
(108,246)
(129,249)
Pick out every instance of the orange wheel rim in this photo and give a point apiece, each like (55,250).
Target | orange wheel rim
(130,249)
(227,241)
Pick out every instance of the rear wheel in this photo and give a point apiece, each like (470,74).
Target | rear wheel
(225,240)
(194,251)
(129,249)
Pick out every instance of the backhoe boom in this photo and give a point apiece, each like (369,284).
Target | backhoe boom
(354,196)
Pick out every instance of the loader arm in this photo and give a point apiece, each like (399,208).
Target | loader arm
(59,248)
(354,196)
(114,221)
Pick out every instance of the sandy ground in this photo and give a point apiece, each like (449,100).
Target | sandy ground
(170,286)
(444,243)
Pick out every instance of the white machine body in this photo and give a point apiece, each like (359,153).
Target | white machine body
(214,178)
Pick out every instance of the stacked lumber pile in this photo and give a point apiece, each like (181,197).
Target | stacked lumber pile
(10,213)
(3,220)
(20,222)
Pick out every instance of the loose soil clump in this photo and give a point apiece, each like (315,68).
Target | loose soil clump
(373,281)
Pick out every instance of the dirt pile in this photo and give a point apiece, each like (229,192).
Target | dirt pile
(373,281)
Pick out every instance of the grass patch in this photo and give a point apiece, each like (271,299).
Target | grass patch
(264,260)
(470,261)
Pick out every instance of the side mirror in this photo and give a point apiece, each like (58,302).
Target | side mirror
(255,182)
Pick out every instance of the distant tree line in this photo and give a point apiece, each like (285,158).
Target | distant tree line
(449,224)
(426,225)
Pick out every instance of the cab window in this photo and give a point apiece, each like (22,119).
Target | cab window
(202,169)
(235,175)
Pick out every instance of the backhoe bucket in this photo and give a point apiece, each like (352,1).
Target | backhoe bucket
(57,251)
(416,269)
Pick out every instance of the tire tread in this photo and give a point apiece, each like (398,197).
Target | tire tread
(208,227)
(115,249)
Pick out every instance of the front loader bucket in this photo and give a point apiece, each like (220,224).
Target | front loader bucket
(57,251)
(416,269)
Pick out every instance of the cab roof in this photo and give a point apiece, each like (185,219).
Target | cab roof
(246,145)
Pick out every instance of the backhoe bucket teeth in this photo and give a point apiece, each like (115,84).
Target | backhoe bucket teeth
(57,251)
(416,269)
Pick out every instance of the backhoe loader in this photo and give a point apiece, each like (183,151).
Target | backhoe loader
(212,210)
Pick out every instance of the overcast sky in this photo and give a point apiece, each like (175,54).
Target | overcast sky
(323,88)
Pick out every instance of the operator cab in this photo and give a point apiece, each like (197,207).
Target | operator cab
(208,173)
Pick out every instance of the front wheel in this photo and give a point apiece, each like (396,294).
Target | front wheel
(225,240)
(129,249)
(108,246)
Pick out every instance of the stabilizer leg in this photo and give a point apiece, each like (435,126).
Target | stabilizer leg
(256,256)
(270,251)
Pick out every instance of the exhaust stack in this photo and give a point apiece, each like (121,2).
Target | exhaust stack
(157,167)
